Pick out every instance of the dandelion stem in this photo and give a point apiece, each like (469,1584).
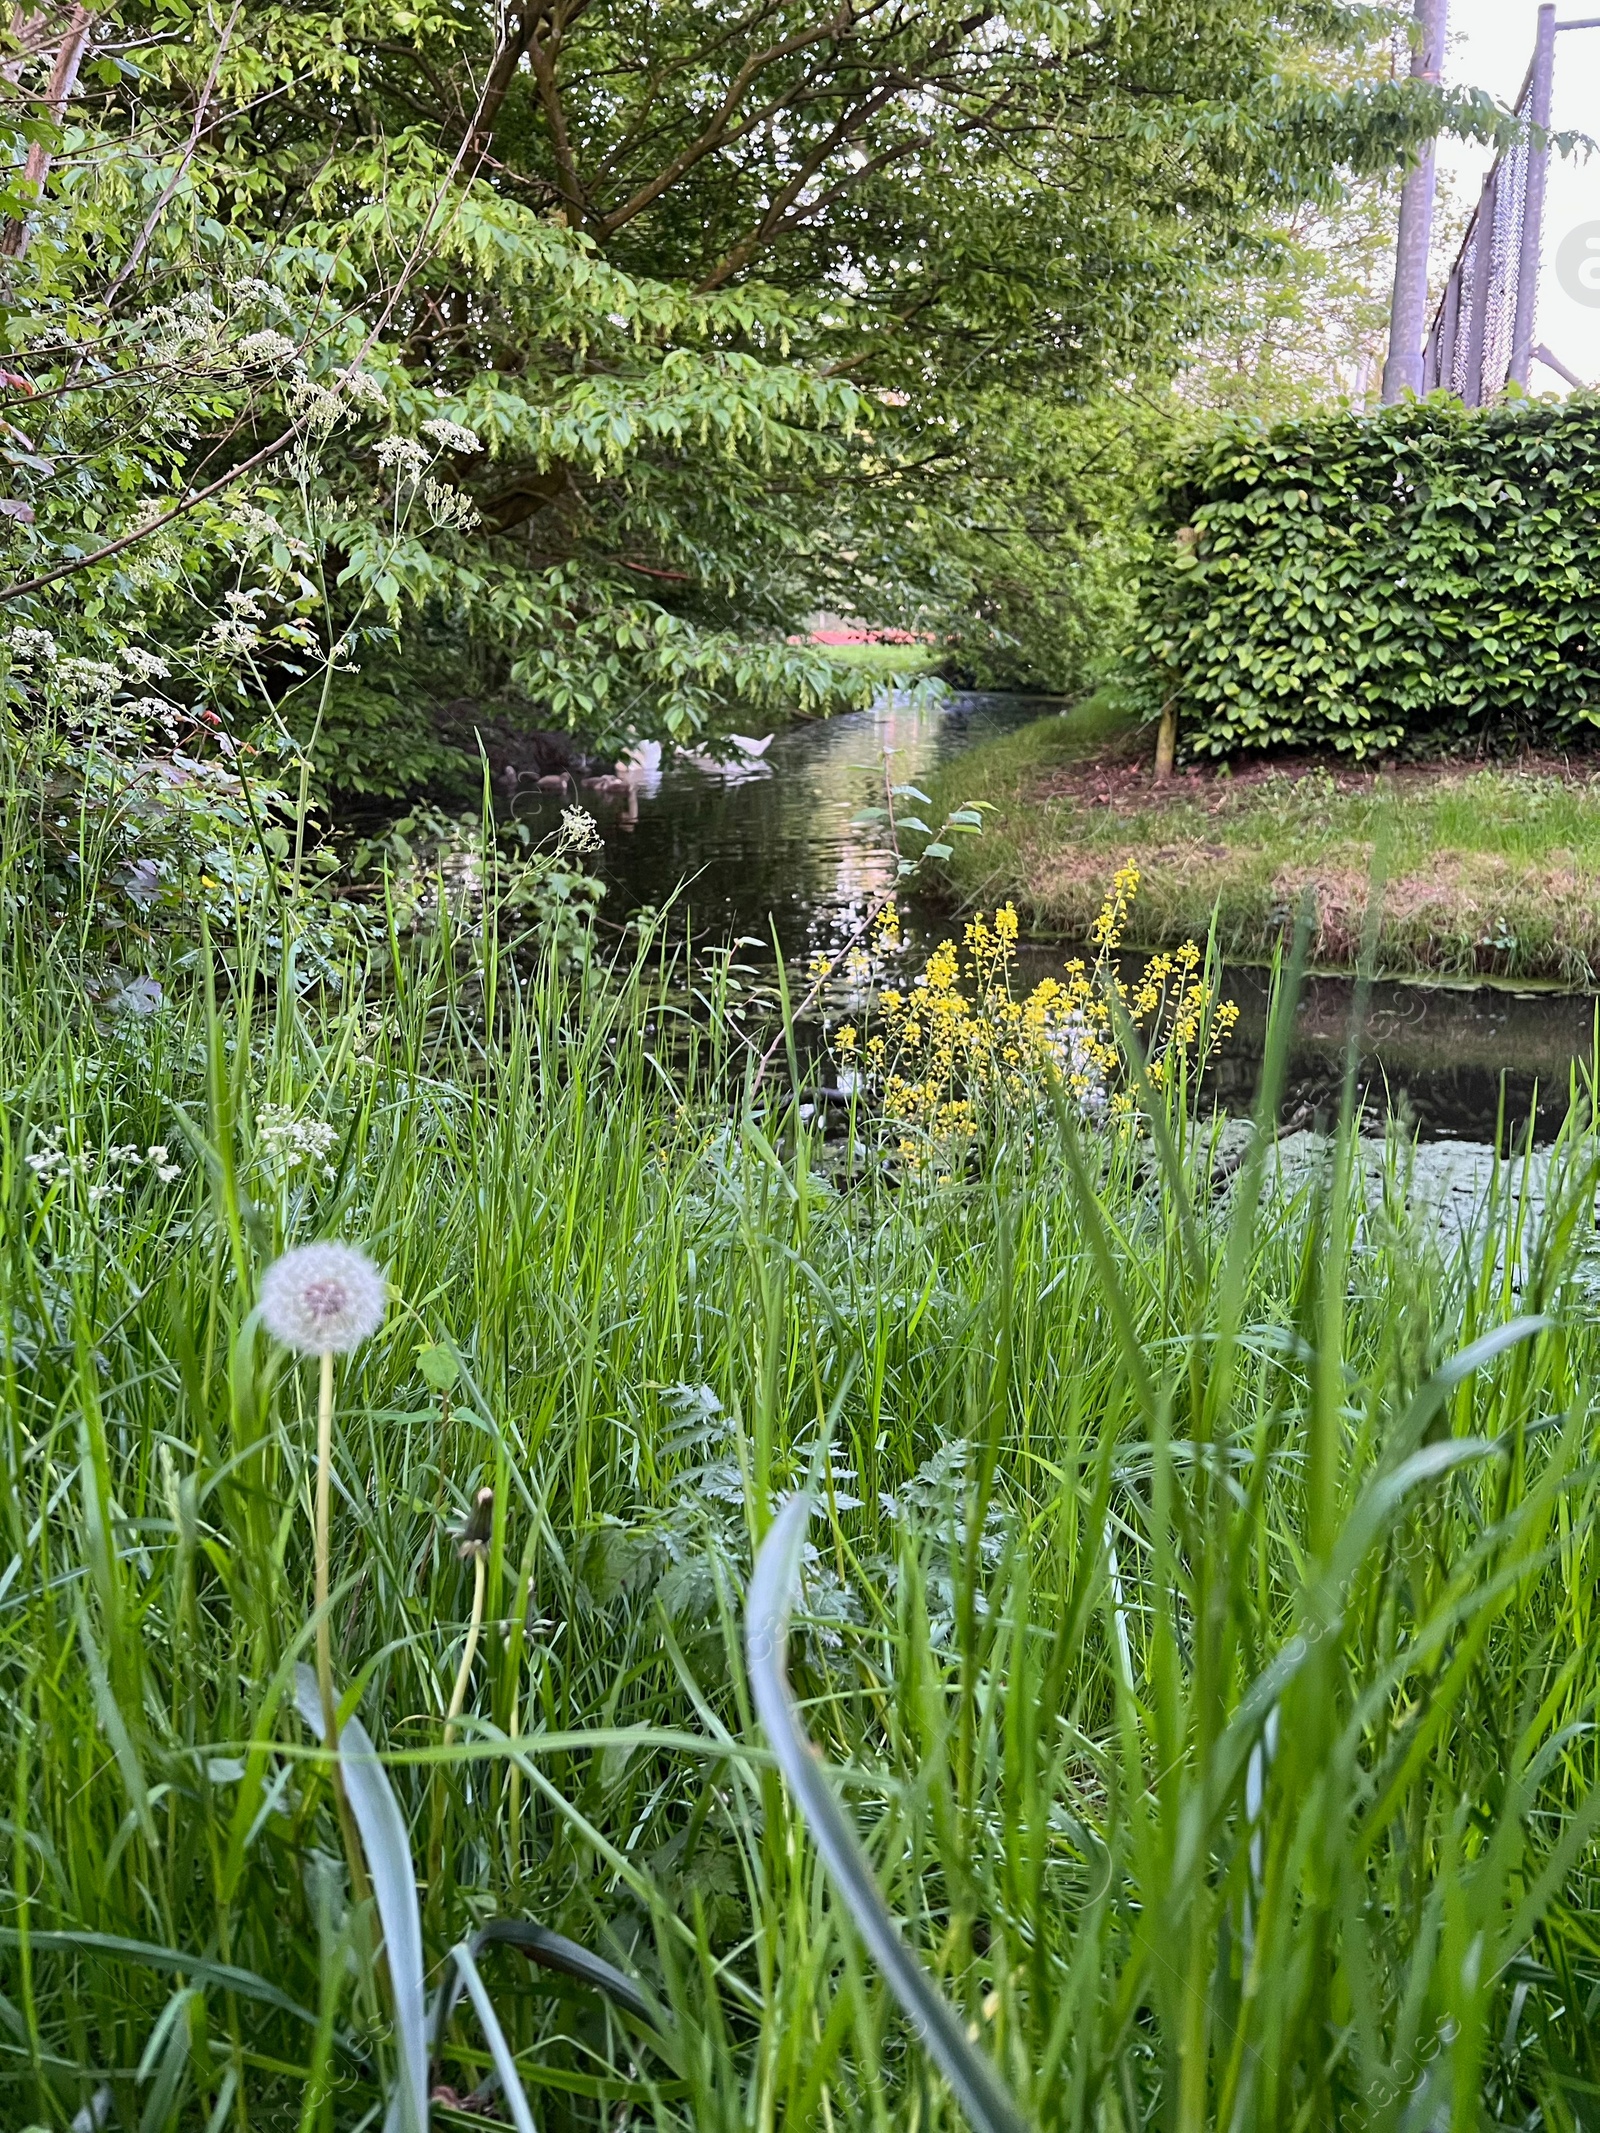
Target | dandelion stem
(330,1714)
(458,1694)
(360,1887)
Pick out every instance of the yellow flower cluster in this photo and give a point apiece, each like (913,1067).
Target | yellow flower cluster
(960,1048)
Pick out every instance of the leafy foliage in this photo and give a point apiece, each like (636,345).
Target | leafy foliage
(1424,575)
(729,300)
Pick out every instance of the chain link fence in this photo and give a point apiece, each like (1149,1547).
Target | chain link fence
(1483,331)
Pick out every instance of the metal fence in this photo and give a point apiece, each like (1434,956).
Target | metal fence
(1483,331)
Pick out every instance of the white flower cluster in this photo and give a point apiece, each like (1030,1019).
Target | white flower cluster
(258,525)
(448,507)
(236,630)
(323,1299)
(171,330)
(318,408)
(25,646)
(143,665)
(248,289)
(275,350)
(110,1170)
(408,458)
(88,681)
(579,831)
(285,1144)
(452,436)
(361,387)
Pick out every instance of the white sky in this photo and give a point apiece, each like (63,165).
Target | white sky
(1491,43)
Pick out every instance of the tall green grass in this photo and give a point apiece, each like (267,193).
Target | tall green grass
(1199,1605)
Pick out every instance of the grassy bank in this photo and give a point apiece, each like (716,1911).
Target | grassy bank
(1206,1622)
(890,661)
(1492,870)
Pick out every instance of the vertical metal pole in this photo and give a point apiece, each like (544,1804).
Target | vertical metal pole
(1449,325)
(1408,320)
(1530,256)
(1480,242)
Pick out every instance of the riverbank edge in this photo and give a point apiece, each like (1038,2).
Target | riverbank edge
(1493,871)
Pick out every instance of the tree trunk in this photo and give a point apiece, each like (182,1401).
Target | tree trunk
(63,80)
(1167,740)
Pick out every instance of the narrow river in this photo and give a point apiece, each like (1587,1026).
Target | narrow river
(774,847)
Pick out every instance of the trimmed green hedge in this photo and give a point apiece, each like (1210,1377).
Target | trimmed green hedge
(1423,573)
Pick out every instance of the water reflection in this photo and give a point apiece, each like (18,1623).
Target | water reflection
(1446,1058)
(770,845)
(772,842)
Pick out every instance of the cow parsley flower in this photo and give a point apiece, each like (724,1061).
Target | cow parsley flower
(272,349)
(579,831)
(27,645)
(87,681)
(361,387)
(452,436)
(143,665)
(317,408)
(448,507)
(250,289)
(287,1143)
(405,455)
(323,1299)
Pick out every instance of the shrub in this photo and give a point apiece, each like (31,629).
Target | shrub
(960,1051)
(1417,574)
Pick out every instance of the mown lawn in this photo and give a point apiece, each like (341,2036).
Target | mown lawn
(889,660)
(1492,870)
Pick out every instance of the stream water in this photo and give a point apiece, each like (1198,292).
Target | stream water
(773,847)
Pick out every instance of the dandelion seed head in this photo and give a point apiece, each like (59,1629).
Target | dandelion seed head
(323,1297)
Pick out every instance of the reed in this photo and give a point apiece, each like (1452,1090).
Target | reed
(1197,1609)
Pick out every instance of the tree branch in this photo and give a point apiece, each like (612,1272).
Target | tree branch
(715,133)
(172,184)
(63,80)
(544,56)
(747,247)
(141,533)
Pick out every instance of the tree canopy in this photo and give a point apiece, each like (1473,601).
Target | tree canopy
(572,353)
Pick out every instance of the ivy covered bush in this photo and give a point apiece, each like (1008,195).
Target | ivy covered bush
(1418,576)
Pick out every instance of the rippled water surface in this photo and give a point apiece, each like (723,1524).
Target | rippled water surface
(776,848)
(776,843)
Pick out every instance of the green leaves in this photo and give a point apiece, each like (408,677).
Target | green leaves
(752,325)
(1355,580)
(439,1366)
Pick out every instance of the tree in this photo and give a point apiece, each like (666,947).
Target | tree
(732,296)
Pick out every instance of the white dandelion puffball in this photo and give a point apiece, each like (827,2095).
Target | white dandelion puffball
(323,1298)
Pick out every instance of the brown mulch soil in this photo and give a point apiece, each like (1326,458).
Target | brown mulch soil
(1122,781)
